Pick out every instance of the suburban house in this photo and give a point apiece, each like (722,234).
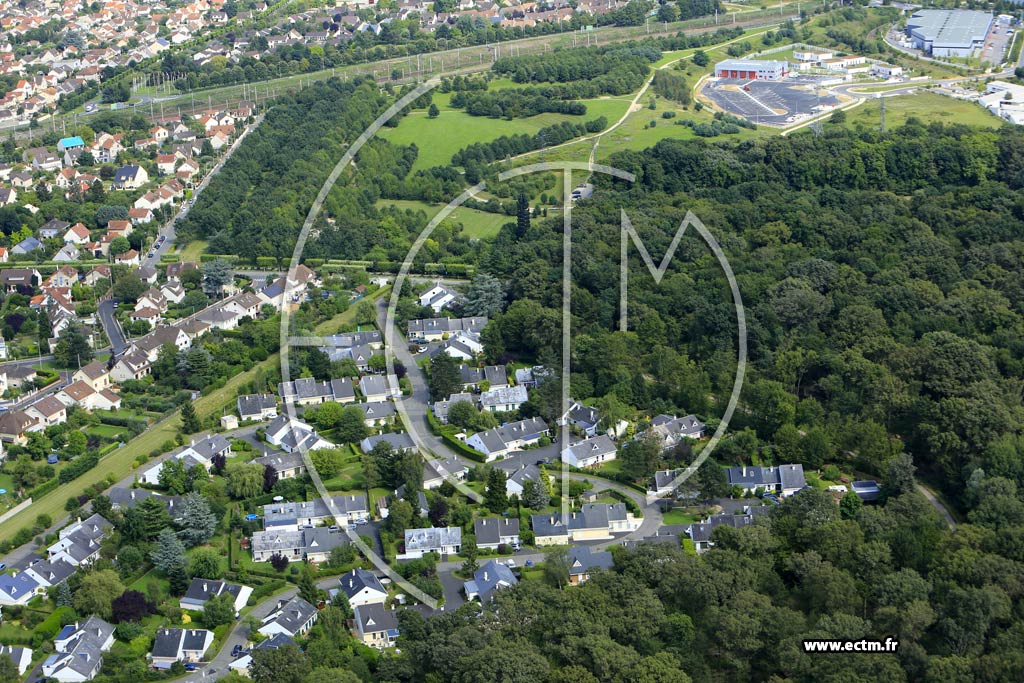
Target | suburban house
(436,329)
(187,645)
(291,617)
(441,408)
(48,574)
(492,532)
(488,578)
(21,656)
(18,589)
(590,452)
(95,374)
(257,407)
(313,544)
(462,345)
(442,540)
(399,441)
(583,561)
(285,516)
(783,479)
(15,426)
(670,431)
(48,411)
(291,435)
(79,543)
(584,417)
(438,297)
(130,177)
(362,587)
(377,414)
(375,388)
(515,481)
(305,391)
(14,278)
(701,533)
(274,642)
(134,365)
(375,626)
(285,465)
(201,590)
(503,440)
(79,649)
(495,376)
(435,472)
(593,522)
(503,399)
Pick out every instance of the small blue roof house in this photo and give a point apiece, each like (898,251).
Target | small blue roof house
(73,142)
(27,245)
(17,589)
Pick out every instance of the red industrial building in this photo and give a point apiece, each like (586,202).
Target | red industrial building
(752,69)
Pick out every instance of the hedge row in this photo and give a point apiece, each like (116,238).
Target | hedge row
(78,467)
(454,443)
(44,488)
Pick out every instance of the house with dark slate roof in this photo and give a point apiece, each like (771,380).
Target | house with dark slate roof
(200,591)
(783,479)
(583,561)
(375,626)
(291,618)
(488,578)
(362,587)
(180,645)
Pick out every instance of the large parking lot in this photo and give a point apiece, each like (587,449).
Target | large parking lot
(771,103)
(996,43)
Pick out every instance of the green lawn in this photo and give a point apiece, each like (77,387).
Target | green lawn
(438,139)
(109,432)
(476,224)
(679,517)
(926,106)
(193,250)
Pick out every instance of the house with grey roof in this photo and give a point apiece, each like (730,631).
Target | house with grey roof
(342,509)
(186,645)
(441,540)
(591,452)
(399,441)
(492,532)
(274,642)
(294,436)
(285,465)
(21,656)
(586,418)
(503,399)
(501,441)
(79,649)
(79,543)
(375,388)
(377,414)
(305,391)
(435,472)
(583,561)
(18,588)
(670,430)
(200,591)
(362,587)
(257,407)
(515,481)
(375,626)
(49,573)
(491,576)
(701,533)
(292,618)
(441,408)
(782,479)
(343,390)
(435,329)
(592,522)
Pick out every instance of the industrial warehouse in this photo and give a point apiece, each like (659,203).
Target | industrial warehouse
(752,69)
(949,33)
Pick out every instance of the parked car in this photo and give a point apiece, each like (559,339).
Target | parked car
(529,563)
(236,650)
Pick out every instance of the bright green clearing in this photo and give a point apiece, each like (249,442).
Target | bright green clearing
(476,224)
(438,139)
(928,107)
(193,250)
(679,517)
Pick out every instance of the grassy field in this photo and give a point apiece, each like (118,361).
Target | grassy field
(438,139)
(475,223)
(193,250)
(926,106)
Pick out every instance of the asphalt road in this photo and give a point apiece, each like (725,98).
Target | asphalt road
(112,328)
